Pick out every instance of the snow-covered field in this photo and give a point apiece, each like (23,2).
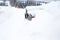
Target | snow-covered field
(45,26)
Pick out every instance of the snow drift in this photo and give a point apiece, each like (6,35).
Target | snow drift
(46,25)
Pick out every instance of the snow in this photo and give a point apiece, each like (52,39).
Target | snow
(46,25)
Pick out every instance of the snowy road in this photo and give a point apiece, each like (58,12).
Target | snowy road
(13,25)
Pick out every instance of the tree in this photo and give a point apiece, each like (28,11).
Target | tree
(12,2)
(4,1)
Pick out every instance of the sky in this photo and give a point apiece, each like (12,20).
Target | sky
(43,0)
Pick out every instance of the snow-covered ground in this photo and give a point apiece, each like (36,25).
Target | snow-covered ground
(45,26)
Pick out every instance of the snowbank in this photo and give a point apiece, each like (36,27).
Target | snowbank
(46,25)
(53,7)
(5,13)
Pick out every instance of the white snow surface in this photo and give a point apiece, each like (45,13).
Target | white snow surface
(45,26)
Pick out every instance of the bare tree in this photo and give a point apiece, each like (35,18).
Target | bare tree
(12,2)
(4,1)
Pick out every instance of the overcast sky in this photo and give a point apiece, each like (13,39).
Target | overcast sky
(42,0)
